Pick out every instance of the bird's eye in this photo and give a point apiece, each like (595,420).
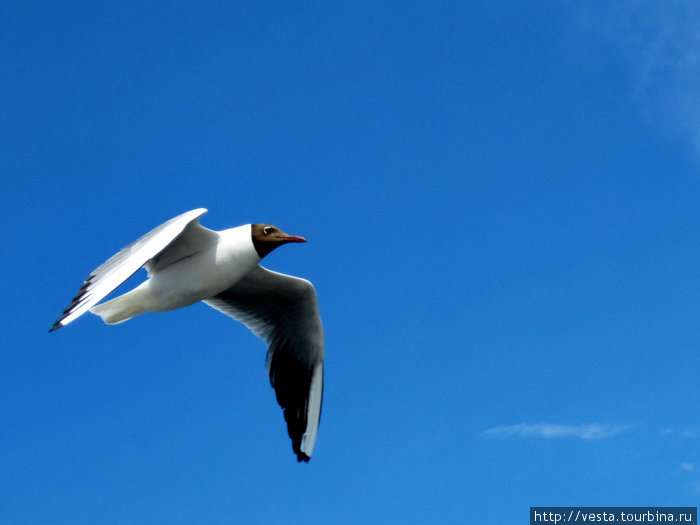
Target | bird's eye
(267,230)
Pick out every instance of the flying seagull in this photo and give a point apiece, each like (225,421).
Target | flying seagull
(186,263)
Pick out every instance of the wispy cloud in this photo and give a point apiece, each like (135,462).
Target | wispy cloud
(688,466)
(553,430)
(660,42)
(691,469)
(682,432)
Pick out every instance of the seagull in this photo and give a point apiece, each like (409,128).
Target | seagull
(187,263)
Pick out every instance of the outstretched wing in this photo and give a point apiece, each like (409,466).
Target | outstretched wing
(171,241)
(283,311)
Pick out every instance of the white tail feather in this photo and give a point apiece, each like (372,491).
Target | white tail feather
(119,309)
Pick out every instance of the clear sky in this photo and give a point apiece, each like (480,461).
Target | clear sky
(501,201)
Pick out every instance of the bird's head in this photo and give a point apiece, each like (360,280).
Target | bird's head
(267,237)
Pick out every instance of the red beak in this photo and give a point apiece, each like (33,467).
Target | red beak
(293,238)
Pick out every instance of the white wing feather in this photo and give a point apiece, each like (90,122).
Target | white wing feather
(124,264)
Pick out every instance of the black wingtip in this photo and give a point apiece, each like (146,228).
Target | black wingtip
(301,456)
(55,326)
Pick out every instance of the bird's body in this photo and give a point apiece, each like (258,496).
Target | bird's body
(187,263)
(196,277)
(216,269)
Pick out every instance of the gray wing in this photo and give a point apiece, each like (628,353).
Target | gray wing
(283,311)
(169,242)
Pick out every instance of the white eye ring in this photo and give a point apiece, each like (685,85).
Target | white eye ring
(267,230)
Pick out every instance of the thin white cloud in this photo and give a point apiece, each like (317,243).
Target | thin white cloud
(660,43)
(688,466)
(553,430)
(682,432)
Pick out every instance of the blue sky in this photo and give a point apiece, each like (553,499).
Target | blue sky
(501,201)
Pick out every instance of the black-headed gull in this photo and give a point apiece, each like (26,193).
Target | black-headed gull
(187,263)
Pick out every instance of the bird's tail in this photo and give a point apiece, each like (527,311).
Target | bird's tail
(119,309)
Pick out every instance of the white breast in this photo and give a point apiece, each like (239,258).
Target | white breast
(204,274)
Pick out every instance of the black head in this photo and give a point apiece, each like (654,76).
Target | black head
(267,237)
